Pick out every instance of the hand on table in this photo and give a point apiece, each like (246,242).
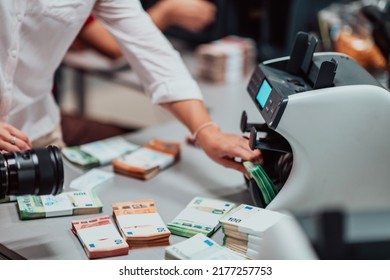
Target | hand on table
(12,139)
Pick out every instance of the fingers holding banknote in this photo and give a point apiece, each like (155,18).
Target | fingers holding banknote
(229,150)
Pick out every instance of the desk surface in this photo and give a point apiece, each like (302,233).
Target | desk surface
(194,175)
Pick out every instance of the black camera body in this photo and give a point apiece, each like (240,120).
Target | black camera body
(37,171)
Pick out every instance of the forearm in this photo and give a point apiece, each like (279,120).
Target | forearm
(159,13)
(192,113)
(192,15)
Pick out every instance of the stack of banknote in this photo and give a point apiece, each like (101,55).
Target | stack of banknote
(64,204)
(91,179)
(244,228)
(168,147)
(228,59)
(140,224)
(201,215)
(99,237)
(79,158)
(98,153)
(200,247)
(265,184)
(148,161)
(248,49)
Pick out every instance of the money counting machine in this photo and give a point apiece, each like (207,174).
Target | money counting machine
(326,131)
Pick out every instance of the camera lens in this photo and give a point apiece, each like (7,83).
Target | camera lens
(37,171)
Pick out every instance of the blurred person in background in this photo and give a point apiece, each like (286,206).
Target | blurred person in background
(191,15)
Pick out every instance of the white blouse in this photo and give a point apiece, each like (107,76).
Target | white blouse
(35,35)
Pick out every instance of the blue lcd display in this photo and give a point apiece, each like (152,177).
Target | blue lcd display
(263,93)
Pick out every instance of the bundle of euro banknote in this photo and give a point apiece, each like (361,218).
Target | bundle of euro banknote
(200,247)
(99,237)
(228,59)
(98,153)
(64,204)
(147,161)
(201,215)
(244,228)
(140,224)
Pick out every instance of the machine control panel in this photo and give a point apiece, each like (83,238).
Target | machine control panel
(265,95)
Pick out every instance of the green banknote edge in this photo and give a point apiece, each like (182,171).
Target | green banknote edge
(264,183)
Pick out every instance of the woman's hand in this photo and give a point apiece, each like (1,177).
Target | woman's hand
(12,139)
(226,149)
(229,150)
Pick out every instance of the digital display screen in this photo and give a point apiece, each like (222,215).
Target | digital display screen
(263,93)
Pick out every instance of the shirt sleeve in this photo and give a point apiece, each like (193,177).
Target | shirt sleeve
(158,65)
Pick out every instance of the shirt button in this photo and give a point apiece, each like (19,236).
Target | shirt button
(19,17)
(13,53)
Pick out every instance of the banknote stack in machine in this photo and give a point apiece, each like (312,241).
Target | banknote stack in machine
(98,153)
(244,228)
(200,247)
(99,237)
(264,183)
(140,224)
(149,160)
(201,215)
(63,204)
(226,60)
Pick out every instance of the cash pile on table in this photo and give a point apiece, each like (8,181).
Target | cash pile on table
(149,160)
(200,247)
(63,204)
(201,215)
(226,60)
(99,237)
(98,153)
(168,147)
(265,184)
(140,223)
(244,228)
(91,179)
